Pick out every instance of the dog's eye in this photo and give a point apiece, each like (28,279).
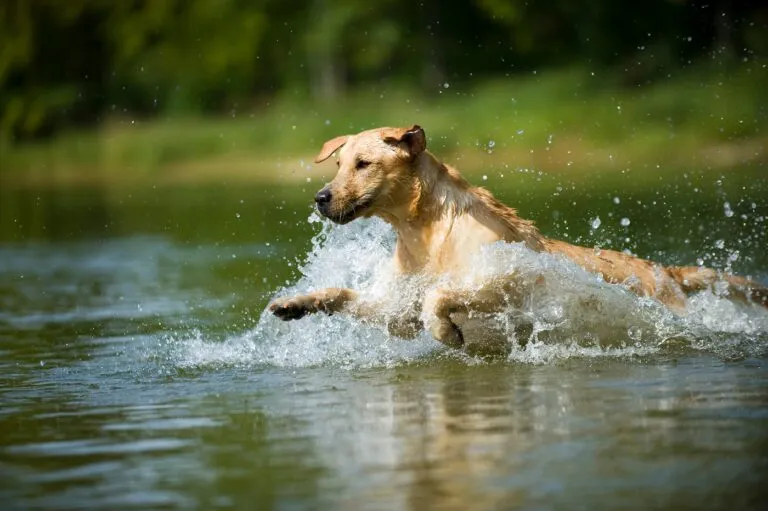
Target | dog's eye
(362,164)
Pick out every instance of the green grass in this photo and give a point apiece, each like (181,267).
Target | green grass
(567,119)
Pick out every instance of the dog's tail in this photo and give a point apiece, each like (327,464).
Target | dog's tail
(694,278)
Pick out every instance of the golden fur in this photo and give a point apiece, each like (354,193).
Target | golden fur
(441,222)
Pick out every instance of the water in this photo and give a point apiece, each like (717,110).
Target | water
(137,369)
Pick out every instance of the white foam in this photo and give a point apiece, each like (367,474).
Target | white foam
(571,313)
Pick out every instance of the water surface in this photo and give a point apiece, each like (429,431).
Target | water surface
(137,371)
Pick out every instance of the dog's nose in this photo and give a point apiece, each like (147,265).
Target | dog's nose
(323,196)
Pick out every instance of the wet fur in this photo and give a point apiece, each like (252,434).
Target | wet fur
(441,222)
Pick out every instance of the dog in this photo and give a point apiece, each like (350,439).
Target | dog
(442,221)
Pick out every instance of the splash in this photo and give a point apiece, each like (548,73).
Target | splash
(569,313)
(356,256)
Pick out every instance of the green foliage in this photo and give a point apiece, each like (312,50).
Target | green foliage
(82,62)
(187,55)
(34,81)
(566,120)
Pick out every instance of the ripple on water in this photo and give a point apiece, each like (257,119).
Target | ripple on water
(67,448)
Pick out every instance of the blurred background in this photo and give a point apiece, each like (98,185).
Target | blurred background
(99,90)
(135,117)
(156,191)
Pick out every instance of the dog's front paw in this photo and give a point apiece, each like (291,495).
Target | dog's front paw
(293,308)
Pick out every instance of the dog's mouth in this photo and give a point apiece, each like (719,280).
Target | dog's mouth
(349,213)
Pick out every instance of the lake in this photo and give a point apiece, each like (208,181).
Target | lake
(137,370)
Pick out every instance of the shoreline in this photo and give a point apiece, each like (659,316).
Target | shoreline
(568,158)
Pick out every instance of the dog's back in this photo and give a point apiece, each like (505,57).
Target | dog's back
(670,285)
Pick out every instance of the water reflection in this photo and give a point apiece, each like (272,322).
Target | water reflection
(158,456)
(116,426)
(491,437)
(99,296)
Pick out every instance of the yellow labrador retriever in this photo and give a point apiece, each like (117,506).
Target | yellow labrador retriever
(441,222)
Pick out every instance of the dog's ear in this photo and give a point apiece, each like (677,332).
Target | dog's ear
(412,139)
(330,147)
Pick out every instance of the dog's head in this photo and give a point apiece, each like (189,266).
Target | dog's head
(374,167)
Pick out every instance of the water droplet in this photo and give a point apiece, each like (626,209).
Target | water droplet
(491,144)
(624,222)
(446,85)
(595,223)
(720,243)
(727,209)
(616,200)
(485,177)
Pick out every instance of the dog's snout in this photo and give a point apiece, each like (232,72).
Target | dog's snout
(323,196)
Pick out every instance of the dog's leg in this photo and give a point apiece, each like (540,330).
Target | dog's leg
(439,304)
(330,300)
(346,301)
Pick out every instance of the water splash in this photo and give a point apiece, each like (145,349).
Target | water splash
(567,313)
(357,256)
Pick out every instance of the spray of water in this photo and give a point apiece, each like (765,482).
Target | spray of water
(570,313)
